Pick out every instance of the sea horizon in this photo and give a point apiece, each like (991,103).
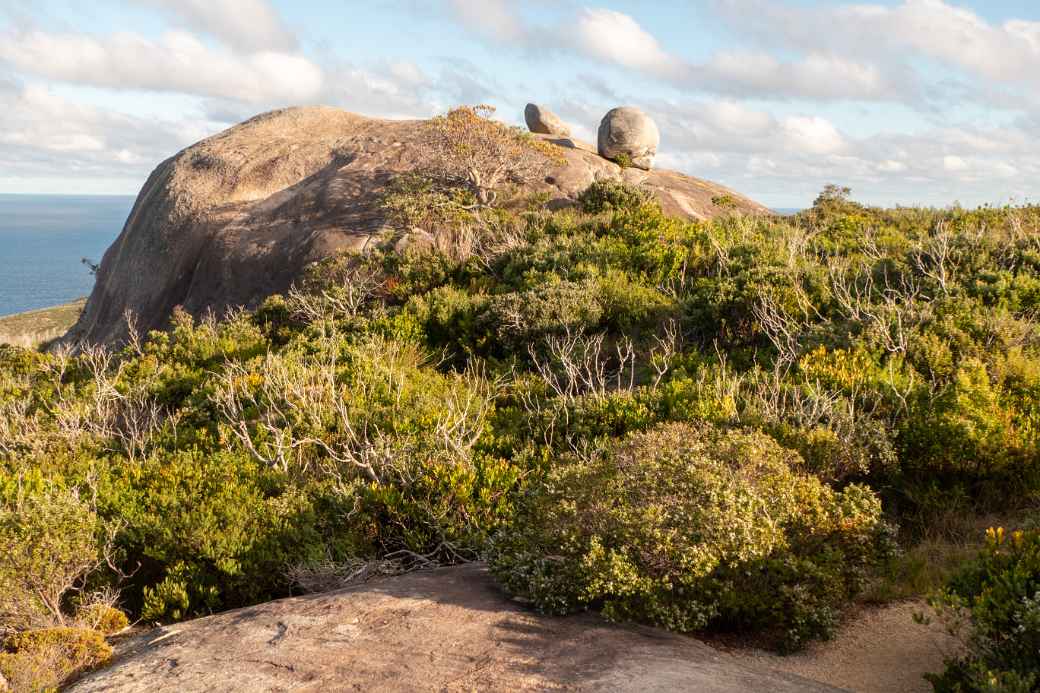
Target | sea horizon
(43,240)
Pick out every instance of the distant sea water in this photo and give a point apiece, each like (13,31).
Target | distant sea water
(43,239)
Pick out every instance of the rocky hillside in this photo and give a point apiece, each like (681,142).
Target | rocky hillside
(237,217)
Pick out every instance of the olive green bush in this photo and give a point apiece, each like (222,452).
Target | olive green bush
(53,549)
(691,526)
(608,195)
(102,617)
(49,544)
(47,658)
(993,605)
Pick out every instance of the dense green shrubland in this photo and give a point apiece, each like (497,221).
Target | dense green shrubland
(501,382)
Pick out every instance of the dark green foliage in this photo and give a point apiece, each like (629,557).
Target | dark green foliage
(994,605)
(609,196)
(724,201)
(210,530)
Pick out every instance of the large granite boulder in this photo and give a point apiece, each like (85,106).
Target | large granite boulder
(238,216)
(542,121)
(628,133)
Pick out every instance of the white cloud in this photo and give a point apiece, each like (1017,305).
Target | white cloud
(895,36)
(392,92)
(246,25)
(891,166)
(47,138)
(815,76)
(178,62)
(954,164)
(407,72)
(813,134)
(617,38)
(492,18)
(736,119)
(1005,170)
(960,37)
(837,75)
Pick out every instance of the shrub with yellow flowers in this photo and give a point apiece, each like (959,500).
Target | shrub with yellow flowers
(993,605)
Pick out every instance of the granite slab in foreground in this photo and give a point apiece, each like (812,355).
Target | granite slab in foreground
(447,629)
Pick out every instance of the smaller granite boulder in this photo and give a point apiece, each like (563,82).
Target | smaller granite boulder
(629,135)
(544,122)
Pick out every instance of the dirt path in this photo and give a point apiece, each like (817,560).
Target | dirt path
(881,651)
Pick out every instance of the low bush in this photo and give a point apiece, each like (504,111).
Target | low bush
(102,617)
(993,605)
(608,195)
(210,531)
(49,543)
(692,527)
(45,659)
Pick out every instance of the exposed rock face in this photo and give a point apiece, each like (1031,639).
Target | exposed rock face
(627,131)
(443,630)
(238,216)
(540,120)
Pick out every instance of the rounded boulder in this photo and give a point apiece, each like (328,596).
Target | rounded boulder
(542,121)
(628,135)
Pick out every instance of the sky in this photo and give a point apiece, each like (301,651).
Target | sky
(913,102)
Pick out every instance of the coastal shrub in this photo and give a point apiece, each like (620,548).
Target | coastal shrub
(45,659)
(689,527)
(448,316)
(49,543)
(526,318)
(209,530)
(609,195)
(971,433)
(102,617)
(993,605)
(467,150)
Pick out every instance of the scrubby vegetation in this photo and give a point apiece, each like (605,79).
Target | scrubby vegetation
(51,541)
(993,605)
(689,526)
(41,660)
(703,425)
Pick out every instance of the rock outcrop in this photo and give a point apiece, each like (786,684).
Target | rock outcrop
(628,132)
(238,216)
(540,120)
(442,630)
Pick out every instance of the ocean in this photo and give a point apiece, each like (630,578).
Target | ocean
(43,239)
